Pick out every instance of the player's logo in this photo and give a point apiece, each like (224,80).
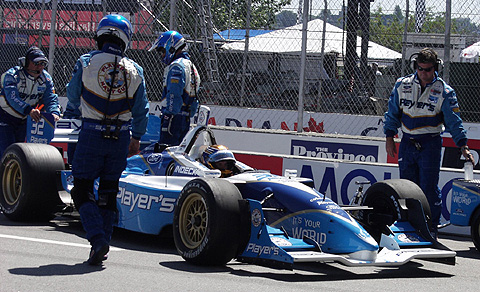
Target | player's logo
(108,76)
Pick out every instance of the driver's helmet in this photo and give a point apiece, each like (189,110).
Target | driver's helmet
(219,153)
(170,41)
(117,26)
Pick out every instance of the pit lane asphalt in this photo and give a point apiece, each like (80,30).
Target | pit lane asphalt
(50,257)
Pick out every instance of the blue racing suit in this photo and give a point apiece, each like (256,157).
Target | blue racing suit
(20,93)
(423,116)
(179,99)
(109,89)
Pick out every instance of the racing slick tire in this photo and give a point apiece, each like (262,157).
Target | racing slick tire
(384,197)
(475,229)
(207,222)
(29,181)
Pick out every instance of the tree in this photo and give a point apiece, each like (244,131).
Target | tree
(286,18)
(233,13)
(387,29)
(397,13)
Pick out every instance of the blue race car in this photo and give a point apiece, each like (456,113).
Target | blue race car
(252,216)
(465,208)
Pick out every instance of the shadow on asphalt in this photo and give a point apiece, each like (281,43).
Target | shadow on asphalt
(322,272)
(470,253)
(57,270)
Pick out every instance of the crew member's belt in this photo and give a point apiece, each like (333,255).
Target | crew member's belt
(97,126)
(418,140)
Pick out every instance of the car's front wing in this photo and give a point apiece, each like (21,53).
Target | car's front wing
(273,247)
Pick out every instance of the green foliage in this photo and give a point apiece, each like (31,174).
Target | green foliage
(387,29)
(232,13)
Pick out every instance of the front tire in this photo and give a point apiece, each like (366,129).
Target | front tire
(29,181)
(207,222)
(384,197)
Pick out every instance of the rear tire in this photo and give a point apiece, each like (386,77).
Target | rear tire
(28,190)
(207,222)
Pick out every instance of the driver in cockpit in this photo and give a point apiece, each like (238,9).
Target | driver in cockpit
(219,157)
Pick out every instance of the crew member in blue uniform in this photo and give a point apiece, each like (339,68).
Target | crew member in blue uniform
(180,86)
(25,91)
(424,106)
(109,90)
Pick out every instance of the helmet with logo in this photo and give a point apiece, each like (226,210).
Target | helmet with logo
(114,28)
(213,155)
(170,41)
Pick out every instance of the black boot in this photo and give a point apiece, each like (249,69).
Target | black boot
(92,222)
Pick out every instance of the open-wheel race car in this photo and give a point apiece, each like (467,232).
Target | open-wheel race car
(252,216)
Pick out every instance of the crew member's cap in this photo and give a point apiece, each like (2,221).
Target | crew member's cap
(35,55)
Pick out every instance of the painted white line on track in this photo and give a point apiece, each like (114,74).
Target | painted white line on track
(52,241)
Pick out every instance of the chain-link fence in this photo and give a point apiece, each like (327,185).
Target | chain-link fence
(251,54)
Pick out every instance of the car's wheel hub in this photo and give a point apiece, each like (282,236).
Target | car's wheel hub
(12,182)
(193,221)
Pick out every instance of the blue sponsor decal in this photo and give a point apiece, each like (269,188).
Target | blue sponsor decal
(342,151)
(433,99)
(154,158)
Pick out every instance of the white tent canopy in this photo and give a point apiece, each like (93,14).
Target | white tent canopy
(289,40)
(471,53)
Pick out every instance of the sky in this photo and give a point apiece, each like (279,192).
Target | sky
(459,8)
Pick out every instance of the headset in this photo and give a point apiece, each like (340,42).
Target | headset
(23,61)
(438,66)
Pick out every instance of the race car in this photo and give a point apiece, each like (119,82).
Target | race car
(252,216)
(465,206)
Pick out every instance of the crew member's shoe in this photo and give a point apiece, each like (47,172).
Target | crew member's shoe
(98,254)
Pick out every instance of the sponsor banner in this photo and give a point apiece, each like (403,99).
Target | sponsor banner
(78,5)
(287,120)
(342,151)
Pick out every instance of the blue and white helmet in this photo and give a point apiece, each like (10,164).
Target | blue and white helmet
(217,153)
(116,25)
(171,41)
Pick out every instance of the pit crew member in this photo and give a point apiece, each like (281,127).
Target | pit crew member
(424,106)
(26,90)
(180,86)
(109,90)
